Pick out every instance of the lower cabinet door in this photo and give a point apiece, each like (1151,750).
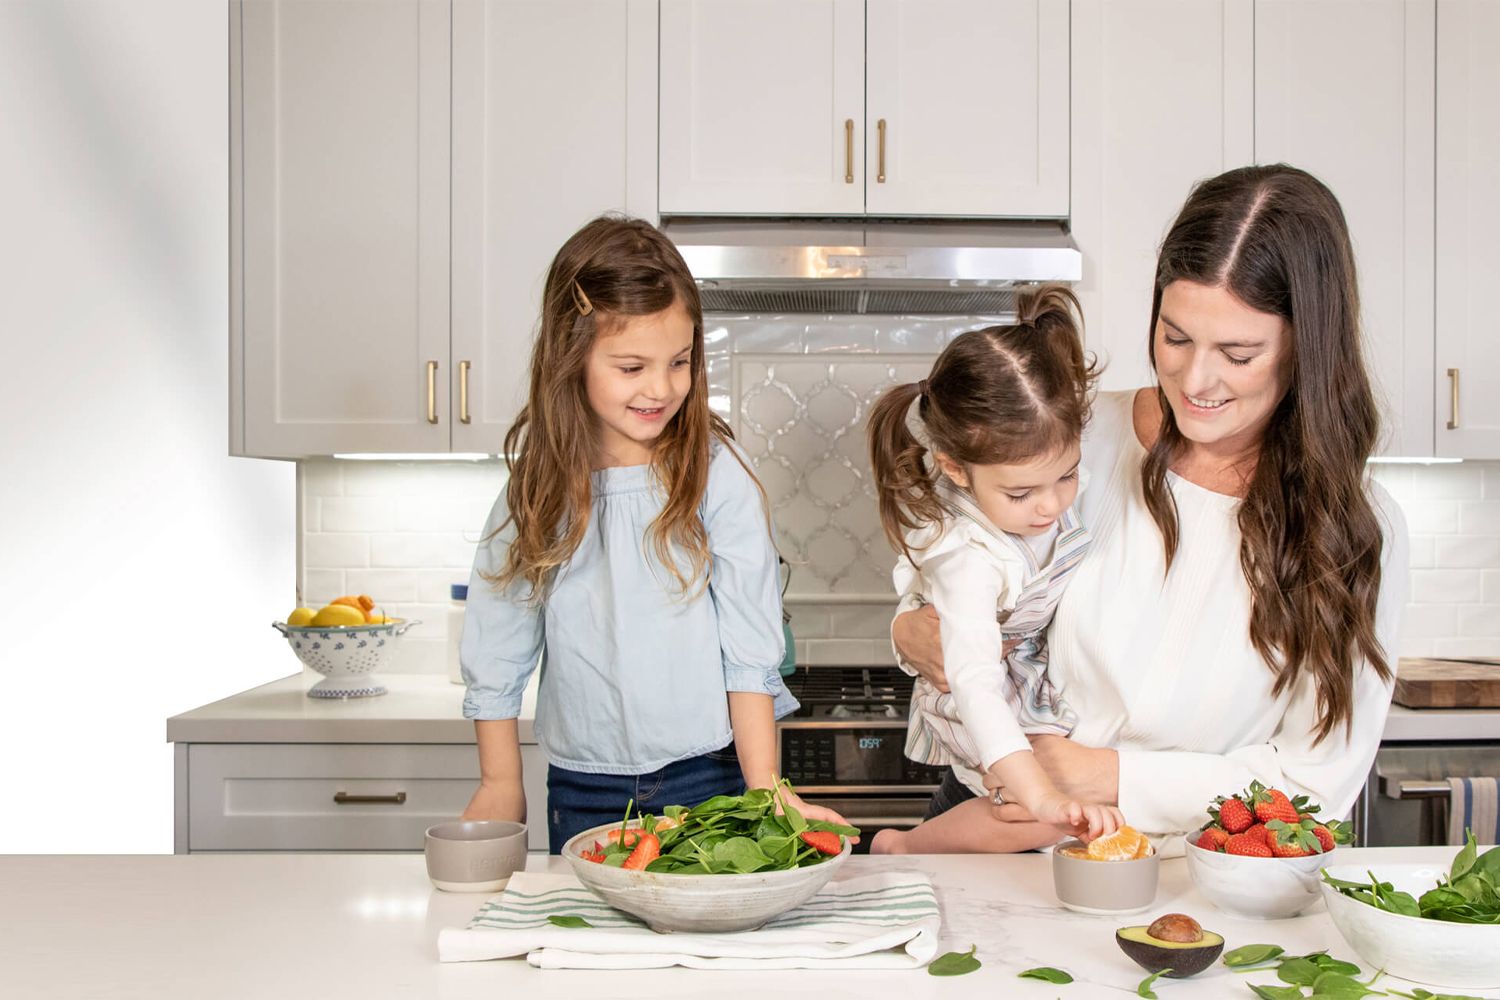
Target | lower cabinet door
(338,797)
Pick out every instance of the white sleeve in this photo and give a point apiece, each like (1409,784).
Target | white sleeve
(908,586)
(1169,791)
(967,584)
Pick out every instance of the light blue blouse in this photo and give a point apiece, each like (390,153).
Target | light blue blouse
(634,676)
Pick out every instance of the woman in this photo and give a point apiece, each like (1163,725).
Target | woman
(1237,616)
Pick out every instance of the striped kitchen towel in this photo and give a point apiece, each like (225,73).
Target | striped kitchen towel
(1474,804)
(887,920)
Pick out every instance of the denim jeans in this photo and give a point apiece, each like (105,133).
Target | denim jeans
(577,801)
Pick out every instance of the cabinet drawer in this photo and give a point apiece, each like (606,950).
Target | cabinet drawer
(322,797)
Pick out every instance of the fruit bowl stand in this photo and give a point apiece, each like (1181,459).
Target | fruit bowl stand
(347,656)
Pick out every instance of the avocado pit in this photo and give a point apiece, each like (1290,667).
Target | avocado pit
(1173,942)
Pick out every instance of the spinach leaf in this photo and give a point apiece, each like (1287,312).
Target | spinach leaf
(1298,971)
(954,963)
(1047,975)
(1251,954)
(567,921)
(1276,992)
(1144,989)
(1335,984)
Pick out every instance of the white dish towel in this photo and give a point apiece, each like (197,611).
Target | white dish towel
(888,920)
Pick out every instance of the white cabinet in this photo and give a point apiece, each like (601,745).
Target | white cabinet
(966,108)
(554,122)
(762,107)
(339,226)
(402,173)
(948,107)
(1468,221)
(333,797)
(1162,98)
(1344,90)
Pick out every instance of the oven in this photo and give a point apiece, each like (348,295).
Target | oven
(844,748)
(1405,799)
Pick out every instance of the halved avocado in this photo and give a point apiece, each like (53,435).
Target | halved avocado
(1175,942)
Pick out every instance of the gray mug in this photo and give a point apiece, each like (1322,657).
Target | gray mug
(474,855)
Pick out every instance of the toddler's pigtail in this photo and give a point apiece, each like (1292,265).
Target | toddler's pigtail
(904,485)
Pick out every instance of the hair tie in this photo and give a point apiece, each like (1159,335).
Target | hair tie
(581,300)
(922,387)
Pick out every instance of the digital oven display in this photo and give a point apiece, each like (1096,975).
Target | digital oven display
(868,758)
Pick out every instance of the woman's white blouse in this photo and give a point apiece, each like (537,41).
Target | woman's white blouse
(1158,664)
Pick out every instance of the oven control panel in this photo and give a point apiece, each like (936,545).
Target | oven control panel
(871,757)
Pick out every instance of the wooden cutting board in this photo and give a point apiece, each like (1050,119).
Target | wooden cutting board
(1471,683)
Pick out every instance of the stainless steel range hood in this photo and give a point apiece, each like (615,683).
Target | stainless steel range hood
(869,266)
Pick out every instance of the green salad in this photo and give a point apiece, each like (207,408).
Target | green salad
(728,834)
(1470,894)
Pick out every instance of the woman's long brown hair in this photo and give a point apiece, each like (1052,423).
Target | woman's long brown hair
(613,267)
(1275,238)
(1002,394)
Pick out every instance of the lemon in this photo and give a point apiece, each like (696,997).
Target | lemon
(335,615)
(301,618)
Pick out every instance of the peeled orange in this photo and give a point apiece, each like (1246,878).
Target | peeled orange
(1125,844)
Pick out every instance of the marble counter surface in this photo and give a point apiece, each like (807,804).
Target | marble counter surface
(427,708)
(236,927)
(420,708)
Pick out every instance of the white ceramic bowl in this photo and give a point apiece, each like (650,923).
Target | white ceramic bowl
(347,656)
(698,903)
(1259,888)
(1435,952)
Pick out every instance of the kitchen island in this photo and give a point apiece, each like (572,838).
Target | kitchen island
(243,926)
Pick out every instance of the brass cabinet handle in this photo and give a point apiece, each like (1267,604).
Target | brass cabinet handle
(1453,399)
(432,392)
(463,392)
(848,150)
(880,167)
(345,799)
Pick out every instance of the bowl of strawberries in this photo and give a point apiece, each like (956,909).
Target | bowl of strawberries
(1260,852)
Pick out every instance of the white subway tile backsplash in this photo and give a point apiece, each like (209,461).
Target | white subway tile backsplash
(1489,586)
(1431,517)
(1480,621)
(1461,481)
(335,551)
(1480,517)
(462,514)
(1467,551)
(1423,552)
(364,514)
(319,586)
(1461,647)
(1429,621)
(1444,586)
(392,585)
(422,550)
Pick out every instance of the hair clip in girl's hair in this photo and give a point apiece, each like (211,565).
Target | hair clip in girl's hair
(581,300)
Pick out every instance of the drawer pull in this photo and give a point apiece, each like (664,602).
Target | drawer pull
(345,799)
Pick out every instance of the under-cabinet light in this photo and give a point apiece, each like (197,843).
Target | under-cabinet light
(457,456)
(1396,460)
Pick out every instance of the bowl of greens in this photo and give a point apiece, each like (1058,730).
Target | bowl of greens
(1433,925)
(731,863)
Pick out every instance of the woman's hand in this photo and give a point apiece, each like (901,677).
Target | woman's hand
(497,800)
(919,640)
(1080,772)
(810,811)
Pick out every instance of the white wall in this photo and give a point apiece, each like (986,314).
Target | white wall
(139,565)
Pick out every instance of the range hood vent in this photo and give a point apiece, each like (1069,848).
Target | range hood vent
(871,266)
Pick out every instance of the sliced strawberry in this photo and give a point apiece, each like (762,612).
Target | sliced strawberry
(596,855)
(1247,845)
(647,849)
(823,841)
(1234,815)
(1212,839)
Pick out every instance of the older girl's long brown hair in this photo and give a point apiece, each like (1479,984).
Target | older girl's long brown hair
(1275,238)
(613,267)
(1002,394)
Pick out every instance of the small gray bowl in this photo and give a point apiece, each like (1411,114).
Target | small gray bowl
(474,855)
(1104,886)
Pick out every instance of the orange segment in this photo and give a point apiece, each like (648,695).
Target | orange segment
(1125,844)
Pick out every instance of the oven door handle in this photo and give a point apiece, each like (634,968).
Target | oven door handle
(888,820)
(1394,789)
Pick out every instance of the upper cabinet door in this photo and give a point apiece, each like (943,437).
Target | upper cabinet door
(1140,70)
(762,107)
(1468,219)
(344,219)
(966,108)
(539,148)
(1360,118)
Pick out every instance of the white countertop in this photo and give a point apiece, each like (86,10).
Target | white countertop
(427,708)
(419,708)
(365,926)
